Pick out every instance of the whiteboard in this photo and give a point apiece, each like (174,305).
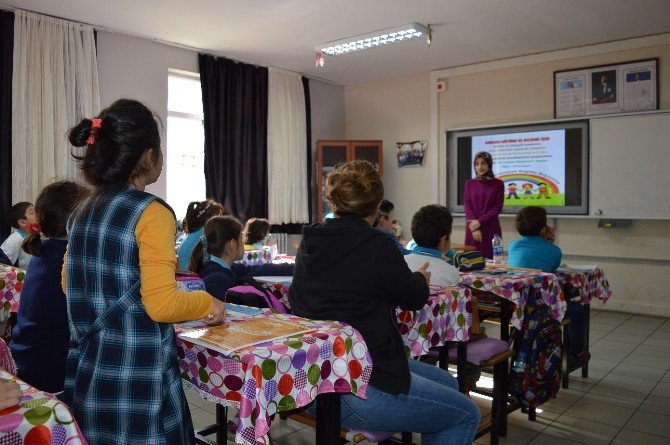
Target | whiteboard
(630,166)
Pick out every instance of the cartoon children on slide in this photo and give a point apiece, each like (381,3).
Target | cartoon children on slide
(511,189)
(527,190)
(542,190)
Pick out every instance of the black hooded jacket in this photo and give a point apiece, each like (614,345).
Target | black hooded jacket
(349,272)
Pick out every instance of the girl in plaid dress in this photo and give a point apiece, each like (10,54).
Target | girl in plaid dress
(122,379)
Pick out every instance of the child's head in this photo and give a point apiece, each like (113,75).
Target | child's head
(384,221)
(256,230)
(431,227)
(54,205)
(222,238)
(123,146)
(354,190)
(530,221)
(21,215)
(198,212)
(527,186)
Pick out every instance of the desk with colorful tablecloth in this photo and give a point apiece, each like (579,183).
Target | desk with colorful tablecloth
(281,375)
(11,283)
(40,418)
(256,257)
(515,287)
(589,283)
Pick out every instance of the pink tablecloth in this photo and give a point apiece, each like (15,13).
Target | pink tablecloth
(446,317)
(516,287)
(591,284)
(11,283)
(40,418)
(279,375)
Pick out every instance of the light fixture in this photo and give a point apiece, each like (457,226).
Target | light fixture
(386,36)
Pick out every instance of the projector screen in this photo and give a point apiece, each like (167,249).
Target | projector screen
(541,164)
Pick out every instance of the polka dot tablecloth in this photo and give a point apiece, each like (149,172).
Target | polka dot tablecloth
(255,257)
(279,375)
(39,419)
(11,283)
(516,287)
(591,284)
(446,317)
(278,286)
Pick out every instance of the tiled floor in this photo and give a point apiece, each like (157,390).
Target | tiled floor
(625,400)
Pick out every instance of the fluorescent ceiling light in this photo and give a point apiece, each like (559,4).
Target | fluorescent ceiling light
(386,36)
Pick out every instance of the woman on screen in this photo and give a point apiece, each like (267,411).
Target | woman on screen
(483,199)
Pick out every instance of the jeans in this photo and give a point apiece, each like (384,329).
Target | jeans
(433,407)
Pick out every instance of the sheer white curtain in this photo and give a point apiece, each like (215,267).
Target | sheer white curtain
(54,85)
(287,150)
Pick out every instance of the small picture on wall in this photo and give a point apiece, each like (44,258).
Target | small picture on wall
(410,154)
(603,87)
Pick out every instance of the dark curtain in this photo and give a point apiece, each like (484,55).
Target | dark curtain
(296,228)
(235,106)
(6,65)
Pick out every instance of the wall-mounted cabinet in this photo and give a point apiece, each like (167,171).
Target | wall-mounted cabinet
(331,154)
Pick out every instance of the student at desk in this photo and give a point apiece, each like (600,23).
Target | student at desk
(536,250)
(431,229)
(348,271)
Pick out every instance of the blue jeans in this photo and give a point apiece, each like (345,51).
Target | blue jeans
(433,407)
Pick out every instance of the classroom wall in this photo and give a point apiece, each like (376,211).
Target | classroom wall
(136,67)
(400,108)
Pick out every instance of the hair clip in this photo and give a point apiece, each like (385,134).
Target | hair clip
(34,229)
(199,214)
(96,124)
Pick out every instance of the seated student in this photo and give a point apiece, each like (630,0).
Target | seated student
(255,232)
(21,215)
(431,229)
(535,250)
(197,214)
(384,223)
(347,271)
(214,258)
(41,336)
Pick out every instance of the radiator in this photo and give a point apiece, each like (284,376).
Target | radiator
(282,241)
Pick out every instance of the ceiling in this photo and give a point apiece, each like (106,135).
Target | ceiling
(283,33)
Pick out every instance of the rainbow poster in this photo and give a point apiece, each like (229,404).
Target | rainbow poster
(531,164)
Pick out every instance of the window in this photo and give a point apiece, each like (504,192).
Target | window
(185,142)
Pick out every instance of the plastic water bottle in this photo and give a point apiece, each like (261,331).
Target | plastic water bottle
(520,363)
(498,257)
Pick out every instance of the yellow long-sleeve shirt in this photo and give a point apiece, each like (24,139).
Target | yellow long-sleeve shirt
(155,239)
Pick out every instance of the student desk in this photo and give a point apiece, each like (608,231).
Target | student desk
(590,284)
(11,283)
(280,375)
(39,418)
(256,257)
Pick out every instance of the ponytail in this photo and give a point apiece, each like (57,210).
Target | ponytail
(218,231)
(32,244)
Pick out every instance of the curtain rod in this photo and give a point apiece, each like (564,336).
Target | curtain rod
(157,40)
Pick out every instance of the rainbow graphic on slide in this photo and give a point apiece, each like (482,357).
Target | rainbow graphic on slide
(533,179)
(527,191)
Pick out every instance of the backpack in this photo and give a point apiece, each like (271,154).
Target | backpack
(249,292)
(469,260)
(535,376)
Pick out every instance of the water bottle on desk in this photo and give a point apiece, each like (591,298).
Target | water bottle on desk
(498,257)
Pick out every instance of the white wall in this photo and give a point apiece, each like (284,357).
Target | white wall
(138,68)
(399,109)
(327,107)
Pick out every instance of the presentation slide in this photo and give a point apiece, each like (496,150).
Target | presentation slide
(531,164)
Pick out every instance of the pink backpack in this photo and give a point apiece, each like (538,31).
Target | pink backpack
(250,292)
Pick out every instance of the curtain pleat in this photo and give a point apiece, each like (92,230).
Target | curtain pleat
(287,157)
(55,85)
(235,107)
